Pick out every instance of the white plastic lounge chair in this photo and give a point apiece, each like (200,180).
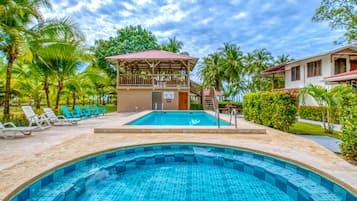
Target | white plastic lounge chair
(13,130)
(60,119)
(41,121)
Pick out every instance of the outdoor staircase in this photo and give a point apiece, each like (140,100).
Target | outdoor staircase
(210,102)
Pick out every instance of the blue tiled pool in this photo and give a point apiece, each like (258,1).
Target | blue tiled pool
(178,118)
(166,172)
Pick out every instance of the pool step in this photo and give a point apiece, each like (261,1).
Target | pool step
(294,181)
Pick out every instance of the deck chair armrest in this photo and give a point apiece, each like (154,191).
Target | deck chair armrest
(10,123)
(61,117)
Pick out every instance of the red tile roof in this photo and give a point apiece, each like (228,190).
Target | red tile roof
(151,54)
(274,69)
(351,75)
(206,92)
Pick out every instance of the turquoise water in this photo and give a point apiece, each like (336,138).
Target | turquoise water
(182,172)
(181,181)
(178,119)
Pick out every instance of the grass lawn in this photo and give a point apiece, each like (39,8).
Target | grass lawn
(310,129)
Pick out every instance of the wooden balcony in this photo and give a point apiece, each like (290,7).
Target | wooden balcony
(153,81)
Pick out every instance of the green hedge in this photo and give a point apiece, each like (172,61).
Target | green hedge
(315,113)
(348,119)
(196,106)
(273,109)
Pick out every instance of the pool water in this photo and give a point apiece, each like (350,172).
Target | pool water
(168,172)
(178,119)
(182,181)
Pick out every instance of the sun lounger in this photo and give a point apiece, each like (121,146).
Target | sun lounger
(91,111)
(59,120)
(10,128)
(83,113)
(41,121)
(70,114)
(100,110)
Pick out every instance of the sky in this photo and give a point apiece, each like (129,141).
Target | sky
(280,26)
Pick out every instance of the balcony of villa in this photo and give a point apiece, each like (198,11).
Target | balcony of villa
(153,81)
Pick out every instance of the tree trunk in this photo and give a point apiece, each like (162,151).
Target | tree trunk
(38,103)
(46,88)
(10,63)
(74,99)
(60,87)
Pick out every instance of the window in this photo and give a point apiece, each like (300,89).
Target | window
(295,73)
(340,65)
(314,68)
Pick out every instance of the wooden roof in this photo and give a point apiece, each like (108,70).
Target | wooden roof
(154,58)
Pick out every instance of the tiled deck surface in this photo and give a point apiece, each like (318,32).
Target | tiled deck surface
(26,157)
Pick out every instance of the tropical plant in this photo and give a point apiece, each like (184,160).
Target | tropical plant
(211,71)
(16,18)
(282,59)
(54,36)
(326,98)
(341,14)
(173,45)
(233,68)
(259,60)
(27,85)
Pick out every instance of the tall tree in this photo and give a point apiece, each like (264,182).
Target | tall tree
(341,14)
(282,59)
(211,71)
(16,17)
(233,68)
(54,36)
(262,59)
(129,39)
(174,45)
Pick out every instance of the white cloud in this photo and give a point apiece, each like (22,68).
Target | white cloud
(240,15)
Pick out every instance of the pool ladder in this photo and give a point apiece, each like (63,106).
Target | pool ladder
(231,114)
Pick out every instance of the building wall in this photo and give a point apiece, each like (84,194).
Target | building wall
(134,100)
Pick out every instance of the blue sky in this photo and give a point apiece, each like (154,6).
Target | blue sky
(281,26)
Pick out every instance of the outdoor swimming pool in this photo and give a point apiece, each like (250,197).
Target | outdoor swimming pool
(183,172)
(178,118)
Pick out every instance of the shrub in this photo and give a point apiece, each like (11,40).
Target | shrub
(273,109)
(17,119)
(315,113)
(196,106)
(348,119)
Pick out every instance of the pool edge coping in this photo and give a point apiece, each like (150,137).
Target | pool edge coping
(63,164)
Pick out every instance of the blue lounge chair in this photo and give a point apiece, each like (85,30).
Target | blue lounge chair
(93,112)
(83,113)
(100,110)
(70,114)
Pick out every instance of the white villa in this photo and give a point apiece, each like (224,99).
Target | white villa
(326,69)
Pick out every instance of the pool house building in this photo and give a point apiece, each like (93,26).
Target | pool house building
(153,80)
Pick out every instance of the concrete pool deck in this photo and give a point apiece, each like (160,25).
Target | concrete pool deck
(24,158)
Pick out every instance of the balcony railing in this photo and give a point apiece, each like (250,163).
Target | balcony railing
(153,80)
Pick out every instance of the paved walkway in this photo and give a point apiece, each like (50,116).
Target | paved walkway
(26,157)
(326,141)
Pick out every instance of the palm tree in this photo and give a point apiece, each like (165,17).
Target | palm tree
(211,71)
(327,98)
(174,45)
(27,85)
(55,35)
(232,64)
(282,59)
(14,22)
(262,60)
